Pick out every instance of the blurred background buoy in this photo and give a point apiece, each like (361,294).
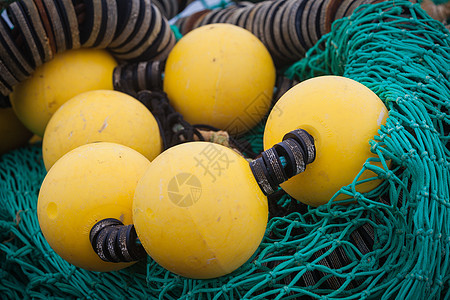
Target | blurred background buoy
(101,116)
(53,83)
(220,75)
(90,183)
(342,115)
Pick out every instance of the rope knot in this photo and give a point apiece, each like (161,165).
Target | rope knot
(358,197)
(368,263)
(272,275)
(365,294)
(405,157)
(439,281)
(336,214)
(374,147)
(441,116)
(400,276)
(299,258)
(412,153)
(257,264)
(386,175)
(413,124)
(420,234)
(225,288)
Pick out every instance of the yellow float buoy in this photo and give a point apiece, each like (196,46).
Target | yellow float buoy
(68,74)
(13,134)
(342,115)
(220,75)
(101,115)
(198,210)
(88,184)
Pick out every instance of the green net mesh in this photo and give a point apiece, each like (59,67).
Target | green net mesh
(392,242)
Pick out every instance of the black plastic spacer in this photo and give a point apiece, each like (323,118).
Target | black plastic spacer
(299,155)
(292,158)
(306,141)
(262,177)
(275,168)
(115,242)
(297,149)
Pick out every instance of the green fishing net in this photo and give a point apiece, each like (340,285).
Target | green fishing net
(392,242)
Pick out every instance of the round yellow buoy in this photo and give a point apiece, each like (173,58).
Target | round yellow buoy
(53,83)
(342,115)
(220,75)
(88,184)
(101,115)
(13,134)
(198,210)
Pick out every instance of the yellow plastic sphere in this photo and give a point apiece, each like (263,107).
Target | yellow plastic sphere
(13,134)
(53,83)
(220,75)
(342,115)
(90,183)
(101,115)
(198,210)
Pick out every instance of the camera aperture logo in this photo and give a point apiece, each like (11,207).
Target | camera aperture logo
(184,189)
